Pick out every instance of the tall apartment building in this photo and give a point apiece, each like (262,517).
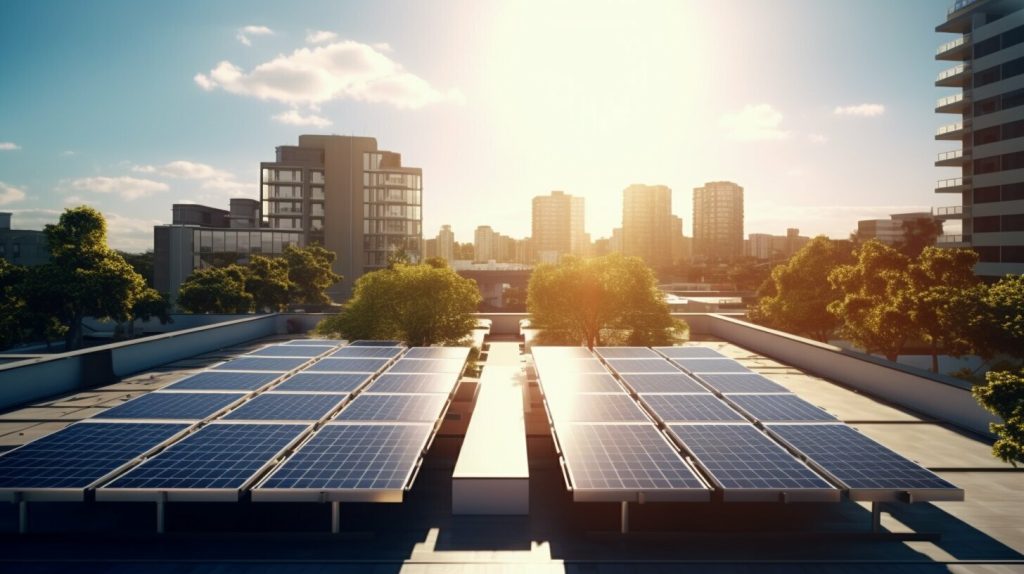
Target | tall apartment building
(718,221)
(680,243)
(988,52)
(647,223)
(446,244)
(558,226)
(767,247)
(343,192)
(484,243)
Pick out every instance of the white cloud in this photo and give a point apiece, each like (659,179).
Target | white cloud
(208,177)
(344,70)
(753,123)
(862,110)
(294,118)
(244,33)
(9,146)
(129,188)
(182,169)
(320,37)
(131,234)
(68,153)
(10,194)
(817,138)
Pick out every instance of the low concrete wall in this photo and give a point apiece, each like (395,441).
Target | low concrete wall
(504,323)
(939,396)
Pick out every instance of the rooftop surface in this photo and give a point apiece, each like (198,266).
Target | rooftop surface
(984,533)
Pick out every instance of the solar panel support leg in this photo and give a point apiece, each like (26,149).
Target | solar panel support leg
(624,526)
(335,517)
(22,516)
(876,516)
(160,504)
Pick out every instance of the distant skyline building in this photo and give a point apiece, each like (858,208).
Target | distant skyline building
(647,223)
(22,246)
(343,192)
(890,231)
(680,243)
(767,247)
(558,227)
(988,56)
(718,221)
(446,244)
(484,243)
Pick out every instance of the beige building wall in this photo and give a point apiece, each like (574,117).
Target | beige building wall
(647,223)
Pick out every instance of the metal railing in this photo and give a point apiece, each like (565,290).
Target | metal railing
(951,182)
(950,100)
(950,72)
(952,239)
(955,154)
(948,128)
(951,211)
(959,5)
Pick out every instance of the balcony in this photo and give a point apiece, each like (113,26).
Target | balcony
(955,158)
(951,212)
(955,104)
(956,50)
(953,185)
(958,76)
(958,6)
(953,241)
(954,131)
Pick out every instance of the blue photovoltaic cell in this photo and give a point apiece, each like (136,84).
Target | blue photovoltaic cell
(690,408)
(400,408)
(287,351)
(700,366)
(593,408)
(324,382)
(80,454)
(273,364)
(642,366)
(171,406)
(314,342)
(217,456)
(626,353)
(689,352)
(741,457)
(414,383)
(742,383)
(461,353)
(353,457)
(623,457)
(224,381)
(428,366)
(372,343)
(780,408)
(366,352)
(677,382)
(347,366)
(854,459)
(286,407)
(581,383)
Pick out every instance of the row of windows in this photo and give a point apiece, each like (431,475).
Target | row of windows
(990,194)
(392,211)
(1003,254)
(211,241)
(1000,72)
(1000,102)
(998,133)
(291,175)
(387,242)
(379,195)
(393,180)
(315,223)
(392,226)
(996,163)
(1008,38)
(996,223)
(293,208)
(291,192)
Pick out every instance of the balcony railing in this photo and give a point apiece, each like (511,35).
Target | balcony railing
(959,5)
(948,155)
(948,128)
(950,72)
(951,211)
(951,183)
(950,100)
(952,44)
(953,239)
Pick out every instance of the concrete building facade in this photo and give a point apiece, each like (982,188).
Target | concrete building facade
(889,231)
(647,223)
(446,244)
(22,246)
(559,226)
(718,221)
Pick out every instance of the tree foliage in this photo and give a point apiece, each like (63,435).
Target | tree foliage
(1003,395)
(599,300)
(1004,307)
(946,301)
(266,279)
(309,271)
(796,297)
(12,303)
(216,290)
(419,304)
(918,234)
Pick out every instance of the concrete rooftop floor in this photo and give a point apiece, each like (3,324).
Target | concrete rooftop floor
(985,533)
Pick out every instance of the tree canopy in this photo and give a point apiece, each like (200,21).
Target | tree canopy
(599,301)
(309,271)
(419,304)
(946,302)
(266,279)
(1003,395)
(216,290)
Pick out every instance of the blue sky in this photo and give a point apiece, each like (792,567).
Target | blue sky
(822,110)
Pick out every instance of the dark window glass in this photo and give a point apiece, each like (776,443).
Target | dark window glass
(1013,191)
(986,194)
(1013,37)
(987,254)
(1013,130)
(1013,222)
(986,165)
(16,250)
(1013,68)
(988,224)
(1013,254)
(986,47)
(1012,99)
(1013,160)
(986,106)
(986,76)
(986,136)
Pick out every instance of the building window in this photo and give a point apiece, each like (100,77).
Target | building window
(989,224)
(987,254)
(1013,254)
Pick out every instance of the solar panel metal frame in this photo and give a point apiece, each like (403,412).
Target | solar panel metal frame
(240,397)
(375,343)
(14,494)
(869,494)
(636,383)
(825,493)
(651,402)
(340,400)
(688,365)
(626,353)
(281,352)
(737,400)
(104,493)
(283,386)
(273,378)
(331,343)
(689,352)
(262,494)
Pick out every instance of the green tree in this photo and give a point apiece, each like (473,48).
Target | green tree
(142,263)
(796,297)
(216,290)
(398,256)
(418,304)
(748,273)
(309,270)
(1003,395)
(1004,308)
(151,304)
(594,301)
(918,234)
(12,303)
(947,301)
(876,299)
(266,279)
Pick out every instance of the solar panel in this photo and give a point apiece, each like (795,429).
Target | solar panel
(857,461)
(428,366)
(324,382)
(596,408)
(80,454)
(614,458)
(375,343)
(700,366)
(315,342)
(626,352)
(287,407)
(347,366)
(740,457)
(172,406)
(351,457)
(218,456)
(461,353)
(366,352)
(689,352)
(581,383)
(287,351)
(570,365)
(400,408)
(690,408)
(561,352)
(414,383)
(272,364)
(225,381)
(663,383)
(642,366)
(780,408)
(742,383)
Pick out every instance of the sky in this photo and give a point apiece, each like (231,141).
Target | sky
(823,110)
